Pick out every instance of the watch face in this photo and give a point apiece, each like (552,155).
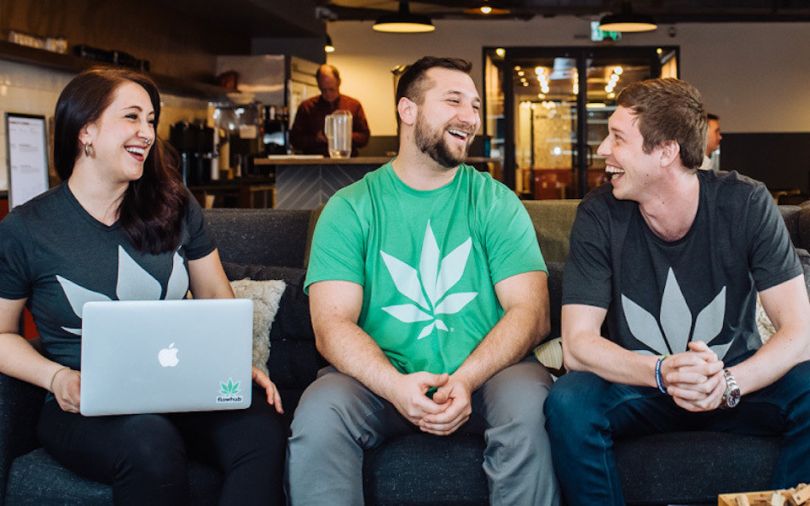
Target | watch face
(733,397)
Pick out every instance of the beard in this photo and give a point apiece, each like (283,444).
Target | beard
(432,143)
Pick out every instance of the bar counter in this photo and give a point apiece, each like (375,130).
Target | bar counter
(307,182)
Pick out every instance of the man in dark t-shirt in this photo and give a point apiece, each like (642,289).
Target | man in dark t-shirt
(672,259)
(307,133)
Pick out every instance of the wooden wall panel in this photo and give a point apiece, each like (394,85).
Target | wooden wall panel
(176,43)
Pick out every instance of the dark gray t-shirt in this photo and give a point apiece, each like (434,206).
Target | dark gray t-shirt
(661,295)
(59,257)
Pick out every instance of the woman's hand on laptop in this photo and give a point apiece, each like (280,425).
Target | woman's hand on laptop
(66,387)
(273,397)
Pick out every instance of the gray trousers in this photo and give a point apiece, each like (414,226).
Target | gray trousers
(338,418)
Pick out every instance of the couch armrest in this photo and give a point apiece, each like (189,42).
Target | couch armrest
(20,405)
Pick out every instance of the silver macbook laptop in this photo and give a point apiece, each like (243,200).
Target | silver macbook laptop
(166,356)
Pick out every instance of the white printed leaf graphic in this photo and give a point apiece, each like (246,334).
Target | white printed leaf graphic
(429,264)
(426,331)
(78,296)
(455,302)
(452,268)
(134,283)
(709,322)
(721,349)
(676,319)
(434,279)
(407,313)
(178,280)
(643,326)
(405,279)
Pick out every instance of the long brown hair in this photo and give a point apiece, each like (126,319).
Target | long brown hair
(151,211)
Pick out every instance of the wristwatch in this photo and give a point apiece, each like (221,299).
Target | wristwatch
(731,397)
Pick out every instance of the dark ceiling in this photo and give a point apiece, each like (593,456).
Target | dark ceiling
(679,11)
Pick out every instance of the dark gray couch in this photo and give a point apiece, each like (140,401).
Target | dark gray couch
(677,468)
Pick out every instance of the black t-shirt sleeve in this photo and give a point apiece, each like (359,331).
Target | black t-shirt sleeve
(771,257)
(587,278)
(199,243)
(15,279)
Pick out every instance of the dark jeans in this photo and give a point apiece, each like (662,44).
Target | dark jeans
(585,414)
(143,457)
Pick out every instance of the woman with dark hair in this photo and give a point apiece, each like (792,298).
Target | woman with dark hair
(120,224)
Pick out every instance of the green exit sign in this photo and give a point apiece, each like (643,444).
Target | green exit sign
(598,35)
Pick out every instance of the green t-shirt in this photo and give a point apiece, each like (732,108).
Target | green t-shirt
(427,261)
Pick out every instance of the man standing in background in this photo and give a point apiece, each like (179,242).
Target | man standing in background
(713,138)
(307,135)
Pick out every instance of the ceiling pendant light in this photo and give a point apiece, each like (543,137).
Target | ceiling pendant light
(328,47)
(627,21)
(403,21)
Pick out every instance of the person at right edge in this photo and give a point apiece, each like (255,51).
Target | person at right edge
(672,258)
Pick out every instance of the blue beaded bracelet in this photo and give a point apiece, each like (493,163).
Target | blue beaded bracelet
(659,380)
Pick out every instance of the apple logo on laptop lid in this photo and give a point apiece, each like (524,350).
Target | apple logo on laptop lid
(168,356)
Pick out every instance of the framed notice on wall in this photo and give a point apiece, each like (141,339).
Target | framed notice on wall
(27,154)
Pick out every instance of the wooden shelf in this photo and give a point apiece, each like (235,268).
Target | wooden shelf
(73,64)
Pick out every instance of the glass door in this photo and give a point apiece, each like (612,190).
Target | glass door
(553,119)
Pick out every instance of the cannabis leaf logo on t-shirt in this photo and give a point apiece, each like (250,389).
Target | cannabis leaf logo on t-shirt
(428,287)
(676,320)
(133,283)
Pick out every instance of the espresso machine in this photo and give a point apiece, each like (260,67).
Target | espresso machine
(195,146)
(240,122)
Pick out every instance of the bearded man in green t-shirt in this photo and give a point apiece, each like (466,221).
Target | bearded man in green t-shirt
(427,289)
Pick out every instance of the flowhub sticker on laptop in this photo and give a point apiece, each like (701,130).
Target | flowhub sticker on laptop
(229,392)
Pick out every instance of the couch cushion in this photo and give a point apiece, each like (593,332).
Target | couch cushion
(292,320)
(420,469)
(804,258)
(294,361)
(26,486)
(797,220)
(266,296)
(259,236)
(693,467)
(552,221)
(555,276)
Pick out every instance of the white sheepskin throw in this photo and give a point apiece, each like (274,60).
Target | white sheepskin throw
(266,296)
(550,354)
(764,325)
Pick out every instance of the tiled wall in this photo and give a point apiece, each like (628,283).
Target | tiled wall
(33,90)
